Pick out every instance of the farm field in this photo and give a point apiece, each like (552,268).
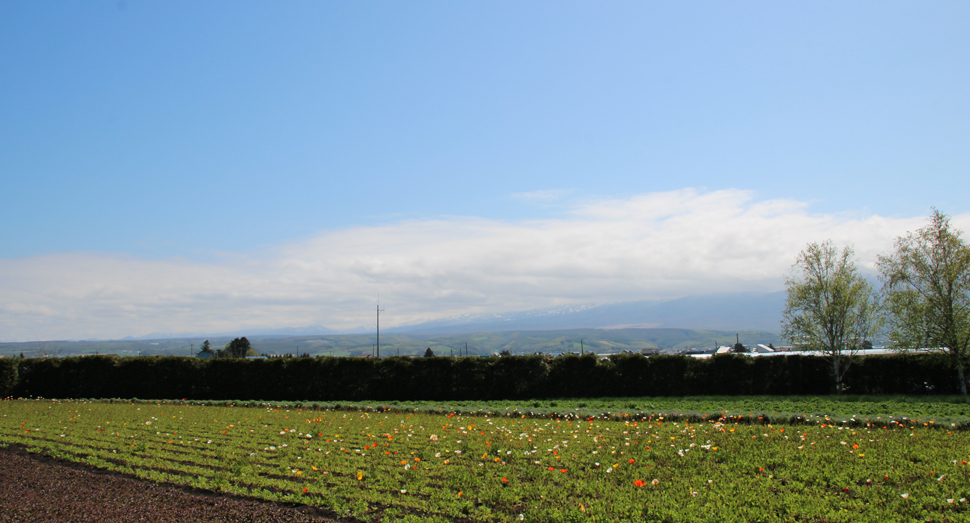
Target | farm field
(629,459)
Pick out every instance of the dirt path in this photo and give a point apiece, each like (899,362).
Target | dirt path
(39,488)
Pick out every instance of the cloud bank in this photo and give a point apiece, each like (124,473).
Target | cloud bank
(650,246)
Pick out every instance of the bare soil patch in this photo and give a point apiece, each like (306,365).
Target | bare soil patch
(36,487)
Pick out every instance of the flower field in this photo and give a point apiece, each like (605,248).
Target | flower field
(375,464)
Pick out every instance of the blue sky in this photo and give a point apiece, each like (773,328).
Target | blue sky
(335,149)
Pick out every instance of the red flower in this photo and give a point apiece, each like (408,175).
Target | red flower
(563,471)
(505,480)
(846,489)
(304,490)
(631,461)
(552,468)
(639,483)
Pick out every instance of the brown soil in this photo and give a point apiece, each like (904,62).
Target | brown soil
(35,487)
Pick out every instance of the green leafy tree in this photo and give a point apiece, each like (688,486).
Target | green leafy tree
(236,348)
(830,307)
(926,283)
(429,353)
(206,347)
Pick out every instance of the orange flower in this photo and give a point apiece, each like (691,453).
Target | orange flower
(640,483)
(505,480)
(552,468)
(631,461)
(563,471)
(304,490)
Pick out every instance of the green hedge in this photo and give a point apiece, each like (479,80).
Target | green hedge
(8,376)
(467,378)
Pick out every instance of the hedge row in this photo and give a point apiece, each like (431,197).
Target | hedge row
(468,378)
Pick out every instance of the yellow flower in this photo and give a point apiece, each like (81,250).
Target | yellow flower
(360,475)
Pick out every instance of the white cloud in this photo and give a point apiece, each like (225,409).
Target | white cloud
(659,245)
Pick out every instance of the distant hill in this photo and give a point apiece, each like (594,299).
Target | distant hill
(730,312)
(480,343)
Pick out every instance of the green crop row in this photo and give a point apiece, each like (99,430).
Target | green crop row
(948,411)
(402,464)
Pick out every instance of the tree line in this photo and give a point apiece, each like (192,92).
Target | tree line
(924,301)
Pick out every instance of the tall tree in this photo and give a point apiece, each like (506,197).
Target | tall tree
(830,307)
(926,283)
(236,348)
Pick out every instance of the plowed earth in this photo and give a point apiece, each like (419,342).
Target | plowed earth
(34,487)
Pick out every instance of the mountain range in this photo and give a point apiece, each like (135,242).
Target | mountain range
(716,314)
(727,312)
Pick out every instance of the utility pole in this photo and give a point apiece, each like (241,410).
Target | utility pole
(582,350)
(379,311)
(466,348)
